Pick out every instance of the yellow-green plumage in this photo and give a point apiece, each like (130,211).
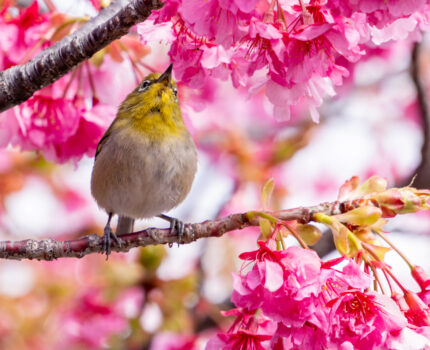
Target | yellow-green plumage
(155,112)
(146,161)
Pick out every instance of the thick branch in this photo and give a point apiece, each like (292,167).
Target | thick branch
(18,83)
(422,179)
(49,249)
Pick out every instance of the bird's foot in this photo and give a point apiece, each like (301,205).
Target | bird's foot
(175,226)
(108,236)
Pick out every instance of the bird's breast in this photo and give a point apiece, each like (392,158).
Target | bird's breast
(139,176)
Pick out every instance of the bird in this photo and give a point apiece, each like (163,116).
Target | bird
(146,161)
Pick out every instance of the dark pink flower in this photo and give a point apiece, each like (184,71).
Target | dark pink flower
(59,127)
(92,125)
(23,33)
(247,332)
(418,313)
(45,121)
(240,340)
(365,320)
(266,274)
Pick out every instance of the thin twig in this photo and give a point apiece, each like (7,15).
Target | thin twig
(49,249)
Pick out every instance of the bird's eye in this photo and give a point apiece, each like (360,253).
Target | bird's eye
(175,91)
(144,85)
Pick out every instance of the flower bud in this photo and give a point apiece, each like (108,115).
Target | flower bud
(362,216)
(373,184)
(309,233)
(401,200)
(351,189)
(390,202)
(421,277)
(419,313)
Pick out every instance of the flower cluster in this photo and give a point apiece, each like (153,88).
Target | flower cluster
(290,299)
(293,49)
(65,120)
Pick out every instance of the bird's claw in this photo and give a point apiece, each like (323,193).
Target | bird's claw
(176,226)
(179,227)
(108,236)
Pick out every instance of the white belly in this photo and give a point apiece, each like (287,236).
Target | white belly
(143,179)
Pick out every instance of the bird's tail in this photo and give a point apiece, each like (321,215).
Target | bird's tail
(125,225)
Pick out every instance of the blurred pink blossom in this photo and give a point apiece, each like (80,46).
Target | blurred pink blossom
(172,341)
(22,33)
(91,321)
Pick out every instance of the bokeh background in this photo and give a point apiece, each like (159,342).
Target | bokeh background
(169,297)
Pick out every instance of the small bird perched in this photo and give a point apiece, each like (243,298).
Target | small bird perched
(146,161)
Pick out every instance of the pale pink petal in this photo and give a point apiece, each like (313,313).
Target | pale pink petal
(274,276)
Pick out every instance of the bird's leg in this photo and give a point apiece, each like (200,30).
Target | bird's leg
(175,225)
(108,234)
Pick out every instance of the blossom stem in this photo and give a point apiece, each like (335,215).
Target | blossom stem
(353,238)
(385,270)
(380,234)
(72,77)
(306,15)
(147,66)
(296,236)
(90,80)
(50,5)
(71,21)
(282,241)
(396,280)
(268,15)
(30,52)
(281,17)
(388,281)
(377,281)
(134,63)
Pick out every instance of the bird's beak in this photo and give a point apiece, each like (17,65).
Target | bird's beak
(166,77)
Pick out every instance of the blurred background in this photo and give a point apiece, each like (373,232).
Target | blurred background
(169,298)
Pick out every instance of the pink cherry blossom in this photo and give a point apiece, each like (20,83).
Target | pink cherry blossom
(90,322)
(227,29)
(57,127)
(303,51)
(365,320)
(92,125)
(247,332)
(311,304)
(23,33)
(45,121)
(241,340)
(172,341)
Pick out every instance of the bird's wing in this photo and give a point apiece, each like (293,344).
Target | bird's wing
(102,142)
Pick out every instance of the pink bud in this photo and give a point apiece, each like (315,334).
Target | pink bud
(419,313)
(421,277)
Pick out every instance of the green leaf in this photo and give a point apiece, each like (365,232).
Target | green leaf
(266,192)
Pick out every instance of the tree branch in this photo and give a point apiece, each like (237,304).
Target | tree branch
(18,83)
(49,249)
(422,179)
